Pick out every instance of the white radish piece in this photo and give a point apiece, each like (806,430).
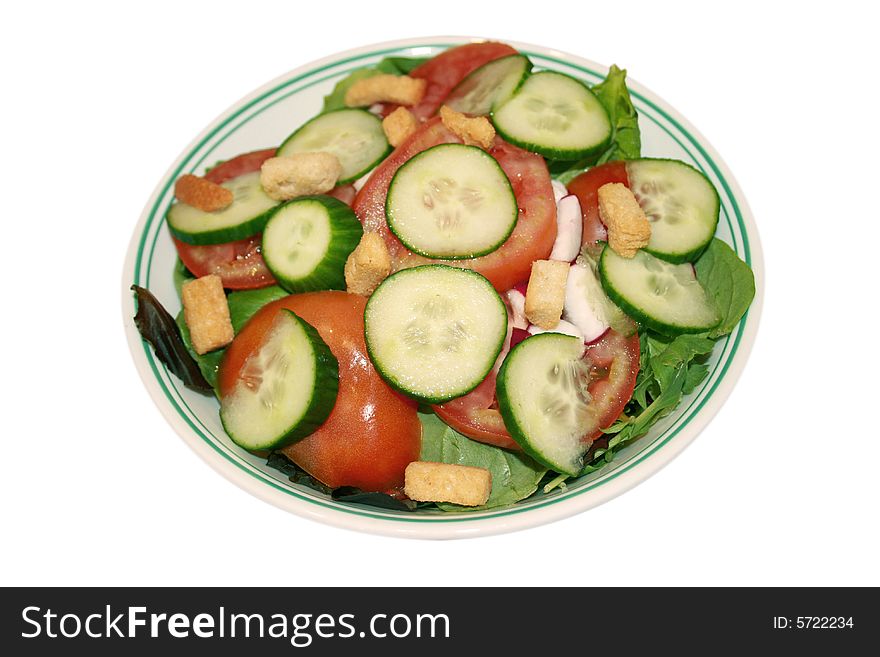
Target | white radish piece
(569,228)
(585,302)
(516,301)
(559,190)
(562,327)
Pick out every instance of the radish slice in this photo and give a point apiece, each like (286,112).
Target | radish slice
(516,301)
(585,302)
(569,228)
(562,327)
(559,190)
(517,336)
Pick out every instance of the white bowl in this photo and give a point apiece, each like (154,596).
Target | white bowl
(263,119)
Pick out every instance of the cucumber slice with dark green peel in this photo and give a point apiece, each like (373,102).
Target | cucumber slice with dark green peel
(433,332)
(681,204)
(286,389)
(451,201)
(543,397)
(355,136)
(307,241)
(554,115)
(245,217)
(660,295)
(489,86)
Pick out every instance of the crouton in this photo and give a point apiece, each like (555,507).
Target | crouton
(425,481)
(206,313)
(289,176)
(383,88)
(368,265)
(628,227)
(475,131)
(399,125)
(202,194)
(545,295)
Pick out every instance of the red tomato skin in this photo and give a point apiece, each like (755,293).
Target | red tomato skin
(239,264)
(447,69)
(586,187)
(373,432)
(535,231)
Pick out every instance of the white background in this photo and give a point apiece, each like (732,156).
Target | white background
(98,100)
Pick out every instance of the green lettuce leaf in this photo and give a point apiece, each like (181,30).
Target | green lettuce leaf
(515,476)
(730,284)
(391,65)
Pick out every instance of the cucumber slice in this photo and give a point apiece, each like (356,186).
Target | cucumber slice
(307,241)
(451,201)
(434,332)
(556,116)
(355,136)
(245,217)
(664,297)
(287,387)
(543,397)
(681,204)
(490,85)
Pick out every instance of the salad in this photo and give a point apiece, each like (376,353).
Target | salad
(459,283)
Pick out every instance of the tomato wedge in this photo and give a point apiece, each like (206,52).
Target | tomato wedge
(239,264)
(586,187)
(449,68)
(615,362)
(373,432)
(535,231)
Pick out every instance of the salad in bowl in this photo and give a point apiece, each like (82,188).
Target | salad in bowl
(462,289)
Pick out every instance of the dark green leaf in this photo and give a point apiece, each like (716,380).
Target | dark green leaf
(181,275)
(626,140)
(695,375)
(514,476)
(400,65)
(354,495)
(158,327)
(294,473)
(729,282)
(209,363)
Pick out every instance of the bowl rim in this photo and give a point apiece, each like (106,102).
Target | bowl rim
(662,451)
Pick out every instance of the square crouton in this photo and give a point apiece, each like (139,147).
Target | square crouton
(628,228)
(206,313)
(368,265)
(289,176)
(545,296)
(399,125)
(385,88)
(425,481)
(476,131)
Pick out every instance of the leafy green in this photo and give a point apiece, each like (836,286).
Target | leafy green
(158,327)
(180,276)
(392,65)
(669,369)
(626,140)
(514,476)
(209,363)
(354,495)
(245,303)
(294,473)
(730,284)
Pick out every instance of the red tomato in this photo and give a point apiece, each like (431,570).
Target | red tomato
(449,68)
(586,187)
(373,433)
(239,264)
(615,364)
(535,231)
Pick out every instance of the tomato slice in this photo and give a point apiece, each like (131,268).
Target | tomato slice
(449,68)
(586,187)
(535,231)
(239,264)
(615,362)
(373,432)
